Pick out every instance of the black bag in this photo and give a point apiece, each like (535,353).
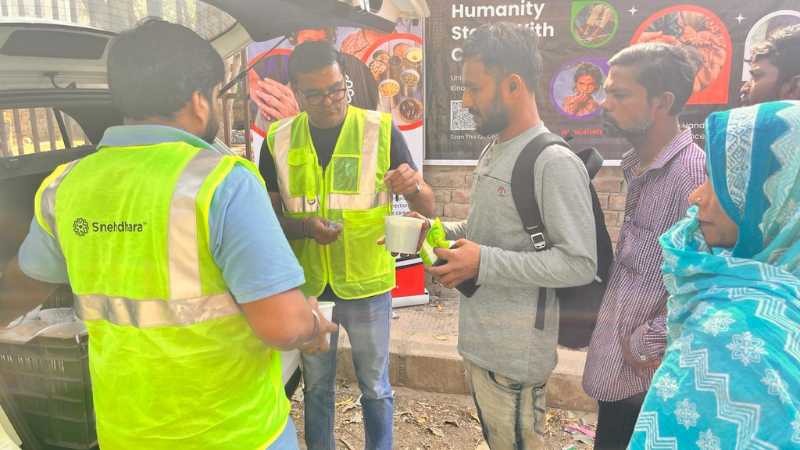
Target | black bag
(578,305)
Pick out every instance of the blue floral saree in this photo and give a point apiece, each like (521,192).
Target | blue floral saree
(730,378)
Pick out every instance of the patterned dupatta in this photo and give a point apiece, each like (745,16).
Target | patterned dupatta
(730,378)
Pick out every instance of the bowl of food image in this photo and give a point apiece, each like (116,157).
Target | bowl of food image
(378,69)
(410,109)
(388,90)
(381,55)
(410,79)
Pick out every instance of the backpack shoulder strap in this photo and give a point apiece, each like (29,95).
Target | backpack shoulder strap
(592,160)
(523,188)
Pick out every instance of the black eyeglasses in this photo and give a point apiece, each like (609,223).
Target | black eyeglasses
(317,98)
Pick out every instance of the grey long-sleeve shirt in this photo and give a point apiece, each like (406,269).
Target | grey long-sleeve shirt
(496,325)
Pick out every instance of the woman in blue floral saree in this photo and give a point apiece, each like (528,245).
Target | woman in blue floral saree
(730,378)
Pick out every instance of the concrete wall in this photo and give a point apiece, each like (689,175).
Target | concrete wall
(451,184)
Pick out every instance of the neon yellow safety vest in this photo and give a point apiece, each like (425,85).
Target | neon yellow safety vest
(349,191)
(173,361)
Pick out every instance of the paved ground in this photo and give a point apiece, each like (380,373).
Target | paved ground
(424,357)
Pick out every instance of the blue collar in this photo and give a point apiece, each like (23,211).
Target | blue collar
(136,135)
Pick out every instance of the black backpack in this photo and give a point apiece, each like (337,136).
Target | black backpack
(578,305)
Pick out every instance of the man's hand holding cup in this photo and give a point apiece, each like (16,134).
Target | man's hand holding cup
(320,340)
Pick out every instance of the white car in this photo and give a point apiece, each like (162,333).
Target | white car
(55,102)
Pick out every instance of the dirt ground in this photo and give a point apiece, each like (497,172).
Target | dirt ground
(426,420)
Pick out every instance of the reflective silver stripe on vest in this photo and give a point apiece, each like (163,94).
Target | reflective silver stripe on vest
(300,204)
(48,200)
(369,152)
(283,141)
(183,250)
(155,313)
(358,201)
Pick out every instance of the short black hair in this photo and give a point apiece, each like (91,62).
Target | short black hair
(154,68)
(782,49)
(662,68)
(507,48)
(311,56)
(591,70)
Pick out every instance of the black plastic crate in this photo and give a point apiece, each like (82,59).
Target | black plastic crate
(61,298)
(49,380)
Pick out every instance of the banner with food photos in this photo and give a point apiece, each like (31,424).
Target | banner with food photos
(577,38)
(384,72)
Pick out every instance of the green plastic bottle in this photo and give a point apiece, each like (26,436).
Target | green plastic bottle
(437,238)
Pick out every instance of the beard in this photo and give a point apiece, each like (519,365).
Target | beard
(772,95)
(212,128)
(493,122)
(613,129)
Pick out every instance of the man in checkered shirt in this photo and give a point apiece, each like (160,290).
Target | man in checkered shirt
(646,88)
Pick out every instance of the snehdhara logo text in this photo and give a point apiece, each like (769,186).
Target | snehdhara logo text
(82,227)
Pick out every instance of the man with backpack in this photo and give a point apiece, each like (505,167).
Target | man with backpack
(646,88)
(507,358)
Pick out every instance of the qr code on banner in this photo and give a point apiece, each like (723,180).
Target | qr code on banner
(460,118)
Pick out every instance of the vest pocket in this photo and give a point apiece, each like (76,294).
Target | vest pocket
(364,259)
(302,174)
(346,170)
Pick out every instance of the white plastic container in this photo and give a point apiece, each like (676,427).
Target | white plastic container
(402,234)
(326,308)
(57,315)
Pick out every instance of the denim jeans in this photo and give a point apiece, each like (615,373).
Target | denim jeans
(288,438)
(367,322)
(512,414)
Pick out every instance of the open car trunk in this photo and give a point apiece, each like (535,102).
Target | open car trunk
(19,179)
(53,66)
(21,174)
(53,72)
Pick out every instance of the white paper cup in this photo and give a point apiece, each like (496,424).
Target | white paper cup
(402,234)
(326,308)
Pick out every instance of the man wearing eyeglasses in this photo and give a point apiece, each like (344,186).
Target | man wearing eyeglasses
(270,97)
(331,172)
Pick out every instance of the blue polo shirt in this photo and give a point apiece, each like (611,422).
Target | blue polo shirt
(247,241)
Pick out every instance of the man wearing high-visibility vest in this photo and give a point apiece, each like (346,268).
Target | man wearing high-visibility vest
(332,170)
(179,268)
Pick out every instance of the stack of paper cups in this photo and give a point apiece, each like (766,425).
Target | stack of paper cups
(326,308)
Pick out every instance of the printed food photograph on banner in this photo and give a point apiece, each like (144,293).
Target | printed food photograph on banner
(702,31)
(577,89)
(358,42)
(594,23)
(762,30)
(396,63)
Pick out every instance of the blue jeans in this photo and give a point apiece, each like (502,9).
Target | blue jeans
(287,440)
(367,323)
